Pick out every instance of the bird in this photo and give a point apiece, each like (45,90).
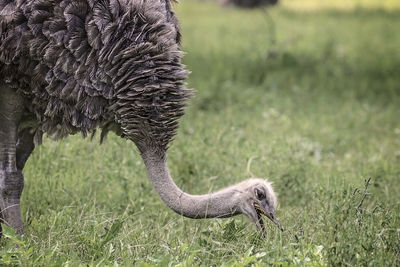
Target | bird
(75,66)
(249,3)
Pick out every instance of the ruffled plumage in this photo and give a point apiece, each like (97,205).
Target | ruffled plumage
(113,64)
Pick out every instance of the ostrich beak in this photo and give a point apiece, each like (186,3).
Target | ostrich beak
(270,215)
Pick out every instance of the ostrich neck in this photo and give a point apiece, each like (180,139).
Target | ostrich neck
(218,204)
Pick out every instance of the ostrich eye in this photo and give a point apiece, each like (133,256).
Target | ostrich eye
(259,194)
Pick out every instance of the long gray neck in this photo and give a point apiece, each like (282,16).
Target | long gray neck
(218,204)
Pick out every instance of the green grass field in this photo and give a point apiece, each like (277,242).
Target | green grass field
(311,99)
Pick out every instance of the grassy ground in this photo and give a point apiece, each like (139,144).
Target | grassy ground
(310,98)
(341,4)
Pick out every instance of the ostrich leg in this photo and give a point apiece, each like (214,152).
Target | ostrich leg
(25,147)
(11,178)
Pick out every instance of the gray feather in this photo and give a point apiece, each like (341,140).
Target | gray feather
(82,65)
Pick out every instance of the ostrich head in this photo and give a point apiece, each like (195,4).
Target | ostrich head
(252,197)
(256,197)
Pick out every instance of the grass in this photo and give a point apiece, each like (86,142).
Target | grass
(341,4)
(310,98)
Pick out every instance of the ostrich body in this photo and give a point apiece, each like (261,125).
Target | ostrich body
(249,3)
(69,66)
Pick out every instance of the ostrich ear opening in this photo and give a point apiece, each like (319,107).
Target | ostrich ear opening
(259,194)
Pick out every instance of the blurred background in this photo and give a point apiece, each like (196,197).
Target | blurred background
(305,93)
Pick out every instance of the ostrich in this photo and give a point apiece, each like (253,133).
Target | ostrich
(248,3)
(74,66)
